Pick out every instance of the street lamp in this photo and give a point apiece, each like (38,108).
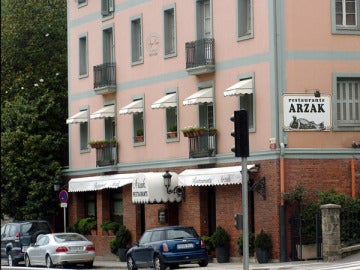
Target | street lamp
(167,183)
(57,185)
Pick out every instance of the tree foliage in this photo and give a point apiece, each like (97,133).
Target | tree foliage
(33,106)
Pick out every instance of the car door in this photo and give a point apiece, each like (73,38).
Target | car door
(143,254)
(37,253)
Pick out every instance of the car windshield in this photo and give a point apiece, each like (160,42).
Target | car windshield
(68,238)
(181,233)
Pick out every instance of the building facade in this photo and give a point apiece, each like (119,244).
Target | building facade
(141,73)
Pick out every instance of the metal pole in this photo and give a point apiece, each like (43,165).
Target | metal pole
(64,219)
(245,214)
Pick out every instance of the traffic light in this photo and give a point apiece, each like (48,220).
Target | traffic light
(240,133)
(238,221)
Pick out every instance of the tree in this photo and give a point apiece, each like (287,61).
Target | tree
(33,106)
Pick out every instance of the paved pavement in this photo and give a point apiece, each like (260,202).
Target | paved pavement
(351,262)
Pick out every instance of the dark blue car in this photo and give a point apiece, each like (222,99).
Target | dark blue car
(167,246)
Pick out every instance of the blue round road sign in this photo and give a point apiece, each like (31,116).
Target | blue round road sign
(63,196)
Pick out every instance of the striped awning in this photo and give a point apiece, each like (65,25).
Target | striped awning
(136,106)
(201,96)
(80,117)
(240,88)
(107,111)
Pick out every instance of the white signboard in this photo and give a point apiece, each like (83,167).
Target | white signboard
(306,112)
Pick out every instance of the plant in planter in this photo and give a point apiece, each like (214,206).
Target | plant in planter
(251,244)
(85,225)
(139,135)
(220,239)
(120,244)
(188,131)
(263,246)
(199,131)
(110,226)
(172,131)
(98,144)
(208,244)
(212,131)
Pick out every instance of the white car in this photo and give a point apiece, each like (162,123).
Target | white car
(60,249)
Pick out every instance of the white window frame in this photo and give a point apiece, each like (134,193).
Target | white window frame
(136,40)
(167,112)
(83,56)
(204,24)
(108,44)
(169,28)
(135,126)
(84,132)
(345,100)
(248,20)
(343,28)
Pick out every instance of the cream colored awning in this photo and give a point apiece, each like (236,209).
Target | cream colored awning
(136,106)
(100,182)
(107,111)
(149,188)
(212,176)
(80,117)
(166,101)
(201,96)
(240,88)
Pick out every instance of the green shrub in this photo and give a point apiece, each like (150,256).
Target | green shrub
(85,225)
(121,240)
(263,241)
(220,238)
(251,244)
(208,244)
(110,226)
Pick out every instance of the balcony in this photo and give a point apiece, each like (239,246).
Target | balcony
(203,145)
(200,56)
(105,78)
(106,153)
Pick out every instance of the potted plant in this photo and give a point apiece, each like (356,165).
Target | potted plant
(199,131)
(263,246)
(139,135)
(220,239)
(120,244)
(172,131)
(188,131)
(110,226)
(212,131)
(251,245)
(85,225)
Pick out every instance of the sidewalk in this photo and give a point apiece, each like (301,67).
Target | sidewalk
(114,263)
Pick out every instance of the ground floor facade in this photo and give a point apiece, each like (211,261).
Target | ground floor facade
(206,205)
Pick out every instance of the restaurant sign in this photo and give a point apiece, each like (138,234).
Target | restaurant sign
(306,112)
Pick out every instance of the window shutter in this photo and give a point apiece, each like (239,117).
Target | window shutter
(104,7)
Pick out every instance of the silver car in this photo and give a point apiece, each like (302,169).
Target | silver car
(60,249)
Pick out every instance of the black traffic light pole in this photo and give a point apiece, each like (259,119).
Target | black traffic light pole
(241,135)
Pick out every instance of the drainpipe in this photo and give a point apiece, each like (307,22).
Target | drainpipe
(353,178)
(282,206)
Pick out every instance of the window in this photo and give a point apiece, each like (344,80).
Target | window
(108,45)
(138,127)
(169,32)
(107,7)
(247,102)
(171,123)
(203,19)
(90,204)
(117,206)
(136,40)
(245,19)
(346,103)
(84,136)
(83,56)
(345,16)
(82,3)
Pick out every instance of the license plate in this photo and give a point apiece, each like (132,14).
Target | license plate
(76,248)
(24,248)
(185,246)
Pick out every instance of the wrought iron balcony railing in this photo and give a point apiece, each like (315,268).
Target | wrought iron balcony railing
(203,145)
(105,78)
(107,155)
(200,56)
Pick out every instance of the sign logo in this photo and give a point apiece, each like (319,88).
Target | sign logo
(306,112)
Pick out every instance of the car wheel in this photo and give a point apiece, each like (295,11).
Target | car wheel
(49,263)
(89,265)
(204,263)
(11,261)
(27,261)
(158,264)
(130,263)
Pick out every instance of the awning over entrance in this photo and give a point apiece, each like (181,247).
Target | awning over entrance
(166,101)
(240,88)
(202,96)
(149,188)
(136,106)
(80,117)
(100,182)
(107,111)
(212,176)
